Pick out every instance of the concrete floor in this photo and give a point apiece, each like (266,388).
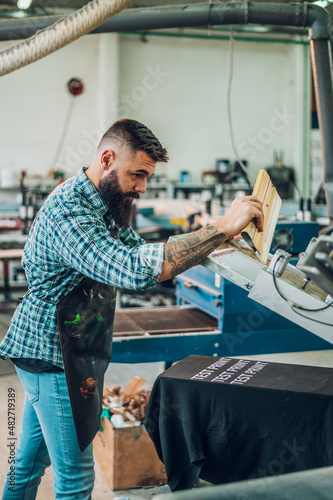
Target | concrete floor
(116,374)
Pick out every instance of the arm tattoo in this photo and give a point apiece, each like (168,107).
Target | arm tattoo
(191,250)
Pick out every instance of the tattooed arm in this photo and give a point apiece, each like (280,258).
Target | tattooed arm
(191,250)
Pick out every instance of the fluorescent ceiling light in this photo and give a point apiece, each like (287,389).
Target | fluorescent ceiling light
(323,3)
(261,29)
(23,4)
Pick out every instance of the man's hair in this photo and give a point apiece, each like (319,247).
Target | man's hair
(137,137)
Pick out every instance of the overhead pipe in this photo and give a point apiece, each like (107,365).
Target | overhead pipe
(301,15)
(193,15)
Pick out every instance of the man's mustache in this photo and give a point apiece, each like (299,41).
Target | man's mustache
(132,195)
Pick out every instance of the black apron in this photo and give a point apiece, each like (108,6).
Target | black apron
(85,322)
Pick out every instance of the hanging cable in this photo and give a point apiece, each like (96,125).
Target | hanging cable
(63,133)
(295,306)
(61,33)
(231,68)
(75,87)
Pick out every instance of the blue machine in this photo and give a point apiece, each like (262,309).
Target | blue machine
(293,236)
(241,325)
(236,325)
(246,327)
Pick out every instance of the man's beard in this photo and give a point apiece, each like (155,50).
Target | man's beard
(119,207)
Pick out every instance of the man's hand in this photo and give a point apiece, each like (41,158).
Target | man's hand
(240,213)
(191,250)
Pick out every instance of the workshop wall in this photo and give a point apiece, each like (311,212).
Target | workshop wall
(178,87)
(35,103)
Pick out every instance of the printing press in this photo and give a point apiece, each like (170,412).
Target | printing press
(234,305)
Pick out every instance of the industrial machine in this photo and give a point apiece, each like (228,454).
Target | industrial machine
(317,263)
(232,305)
(293,236)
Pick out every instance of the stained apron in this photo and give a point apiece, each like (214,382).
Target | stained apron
(85,322)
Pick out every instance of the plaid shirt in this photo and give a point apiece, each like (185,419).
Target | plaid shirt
(69,240)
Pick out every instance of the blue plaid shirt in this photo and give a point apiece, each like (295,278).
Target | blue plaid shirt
(69,240)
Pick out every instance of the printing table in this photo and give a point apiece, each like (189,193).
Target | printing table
(169,334)
(225,420)
(162,334)
(214,317)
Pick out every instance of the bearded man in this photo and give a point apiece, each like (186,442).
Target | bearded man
(60,336)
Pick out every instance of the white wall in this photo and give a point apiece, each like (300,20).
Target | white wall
(35,101)
(187,106)
(176,86)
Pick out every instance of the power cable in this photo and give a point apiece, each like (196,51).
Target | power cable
(312,319)
(293,305)
(231,57)
(64,133)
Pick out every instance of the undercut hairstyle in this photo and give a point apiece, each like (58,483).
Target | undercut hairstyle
(137,137)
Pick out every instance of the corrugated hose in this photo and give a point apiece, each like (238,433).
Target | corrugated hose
(61,33)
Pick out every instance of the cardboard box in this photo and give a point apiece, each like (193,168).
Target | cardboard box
(127,457)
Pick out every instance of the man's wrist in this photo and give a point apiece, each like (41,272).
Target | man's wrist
(222,230)
(189,251)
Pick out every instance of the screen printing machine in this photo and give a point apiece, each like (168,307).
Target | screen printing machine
(220,309)
(234,305)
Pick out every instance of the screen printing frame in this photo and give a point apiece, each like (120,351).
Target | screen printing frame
(251,275)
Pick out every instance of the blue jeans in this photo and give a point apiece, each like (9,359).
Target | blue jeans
(48,436)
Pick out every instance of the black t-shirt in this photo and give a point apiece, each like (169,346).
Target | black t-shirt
(225,420)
